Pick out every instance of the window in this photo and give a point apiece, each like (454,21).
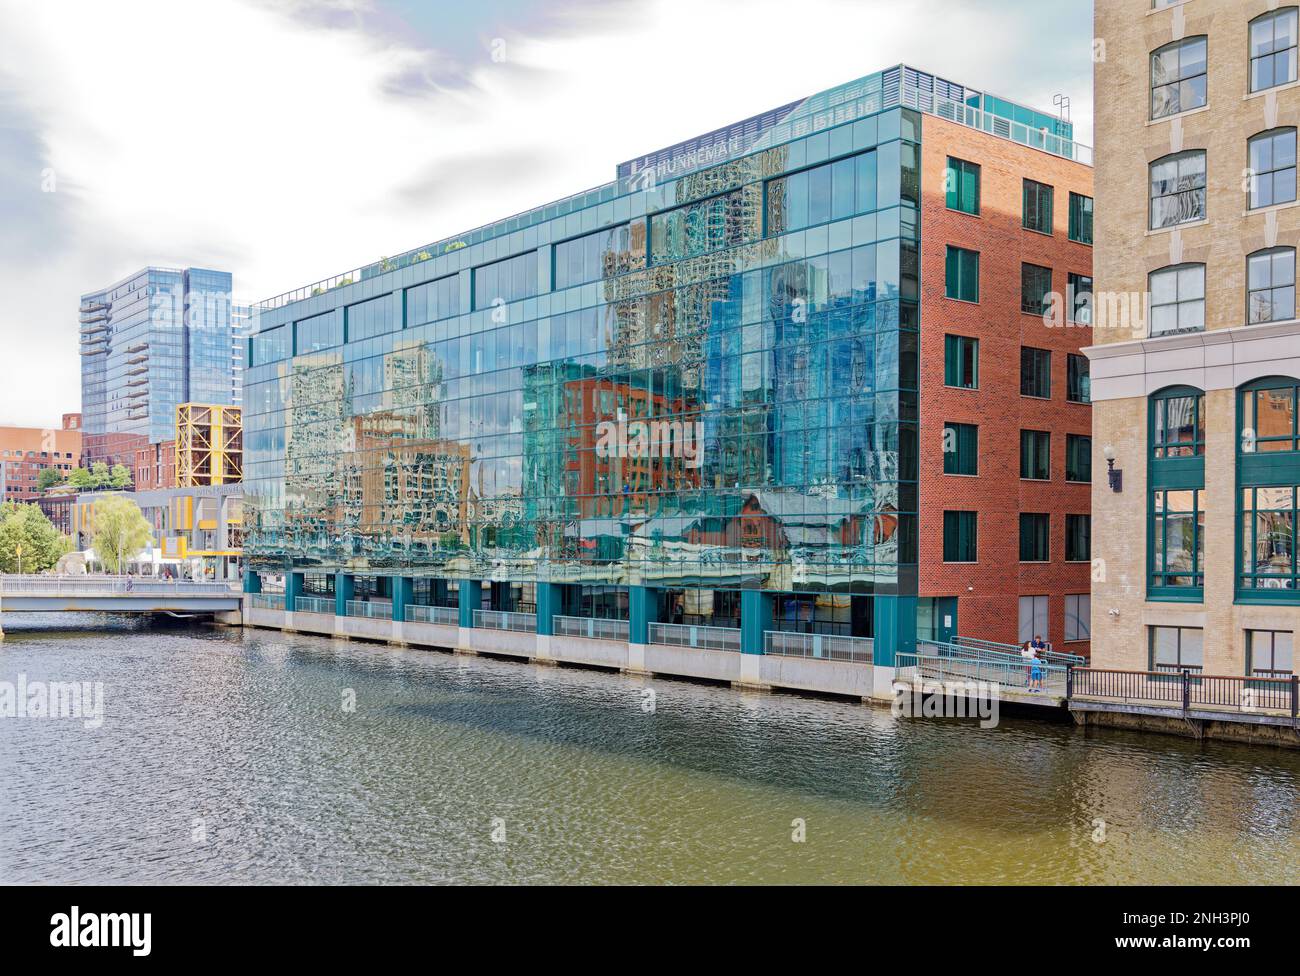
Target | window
(961,362)
(1035,537)
(1035,285)
(1268,540)
(1178,77)
(371,318)
(1080,218)
(1270,285)
(507,281)
(600,254)
(962,274)
(1270,653)
(433,300)
(1078,538)
(1268,418)
(1178,423)
(1272,168)
(1079,287)
(1178,539)
(267,347)
(1078,457)
(1037,213)
(959,542)
(1078,383)
(1035,372)
(318,332)
(962,181)
(1035,455)
(1177,299)
(1078,617)
(1273,49)
(809,197)
(1178,189)
(960,448)
(1034,618)
(1177,648)
(718,222)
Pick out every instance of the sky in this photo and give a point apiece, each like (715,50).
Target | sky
(286,141)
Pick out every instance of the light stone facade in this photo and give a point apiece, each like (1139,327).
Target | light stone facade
(1127,366)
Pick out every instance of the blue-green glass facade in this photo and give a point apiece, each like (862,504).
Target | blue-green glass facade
(480,409)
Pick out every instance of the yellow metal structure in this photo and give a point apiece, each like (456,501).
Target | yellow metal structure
(209,445)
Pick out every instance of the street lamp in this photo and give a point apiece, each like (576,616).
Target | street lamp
(1113,476)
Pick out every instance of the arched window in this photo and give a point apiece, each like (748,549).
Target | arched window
(1271,157)
(1177,501)
(1273,49)
(1270,285)
(1178,188)
(1268,499)
(1178,77)
(1177,299)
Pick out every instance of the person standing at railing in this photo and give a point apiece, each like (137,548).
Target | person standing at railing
(1035,671)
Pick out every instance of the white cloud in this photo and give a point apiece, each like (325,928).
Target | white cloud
(232,135)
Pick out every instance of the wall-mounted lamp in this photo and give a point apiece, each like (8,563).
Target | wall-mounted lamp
(1114,476)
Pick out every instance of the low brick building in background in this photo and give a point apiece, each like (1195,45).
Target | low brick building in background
(26,451)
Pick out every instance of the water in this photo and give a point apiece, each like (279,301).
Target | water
(227,756)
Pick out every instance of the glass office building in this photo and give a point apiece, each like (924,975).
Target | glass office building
(688,395)
(156,339)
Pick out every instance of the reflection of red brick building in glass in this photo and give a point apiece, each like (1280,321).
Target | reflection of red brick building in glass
(624,442)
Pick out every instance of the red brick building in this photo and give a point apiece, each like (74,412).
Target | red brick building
(155,466)
(998,382)
(26,451)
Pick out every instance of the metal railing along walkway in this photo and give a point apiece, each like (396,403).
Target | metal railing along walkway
(827,647)
(1050,656)
(593,628)
(506,620)
(1185,691)
(420,614)
(690,635)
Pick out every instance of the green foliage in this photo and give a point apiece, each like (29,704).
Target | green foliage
(119,477)
(453,246)
(120,531)
(81,479)
(48,478)
(100,476)
(26,526)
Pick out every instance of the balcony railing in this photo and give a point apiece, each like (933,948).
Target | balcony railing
(365,608)
(420,614)
(595,628)
(827,647)
(266,601)
(690,635)
(1187,689)
(314,604)
(505,620)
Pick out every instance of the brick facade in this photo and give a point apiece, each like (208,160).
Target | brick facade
(988,591)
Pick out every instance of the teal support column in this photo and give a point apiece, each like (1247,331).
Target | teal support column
(343,583)
(292,590)
(403,596)
(252,581)
(895,622)
(643,610)
(548,604)
(471,599)
(755,620)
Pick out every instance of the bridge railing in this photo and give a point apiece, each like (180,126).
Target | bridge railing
(1050,656)
(1185,689)
(691,635)
(108,586)
(593,628)
(828,647)
(314,604)
(419,614)
(935,660)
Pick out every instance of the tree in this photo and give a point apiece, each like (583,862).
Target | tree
(48,478)
(120,531)
(100,475)
(119,477)
(26,527)
(81,479)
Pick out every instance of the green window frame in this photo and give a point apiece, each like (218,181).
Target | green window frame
(1035,455)
(1177,423)
(1078,458)
(1035,537)
(962,274)
(1268,491)
(1035,287)
(1269,418)
(1078,378)
(960,448)
(961,362)
(1268,526)
(1176,648)
(1037,207)
(1078,538)
(1035,372)
(960,537)
(962,182)
(1178,542)
(1080,230)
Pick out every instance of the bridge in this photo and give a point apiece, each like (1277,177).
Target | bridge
(114,594)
